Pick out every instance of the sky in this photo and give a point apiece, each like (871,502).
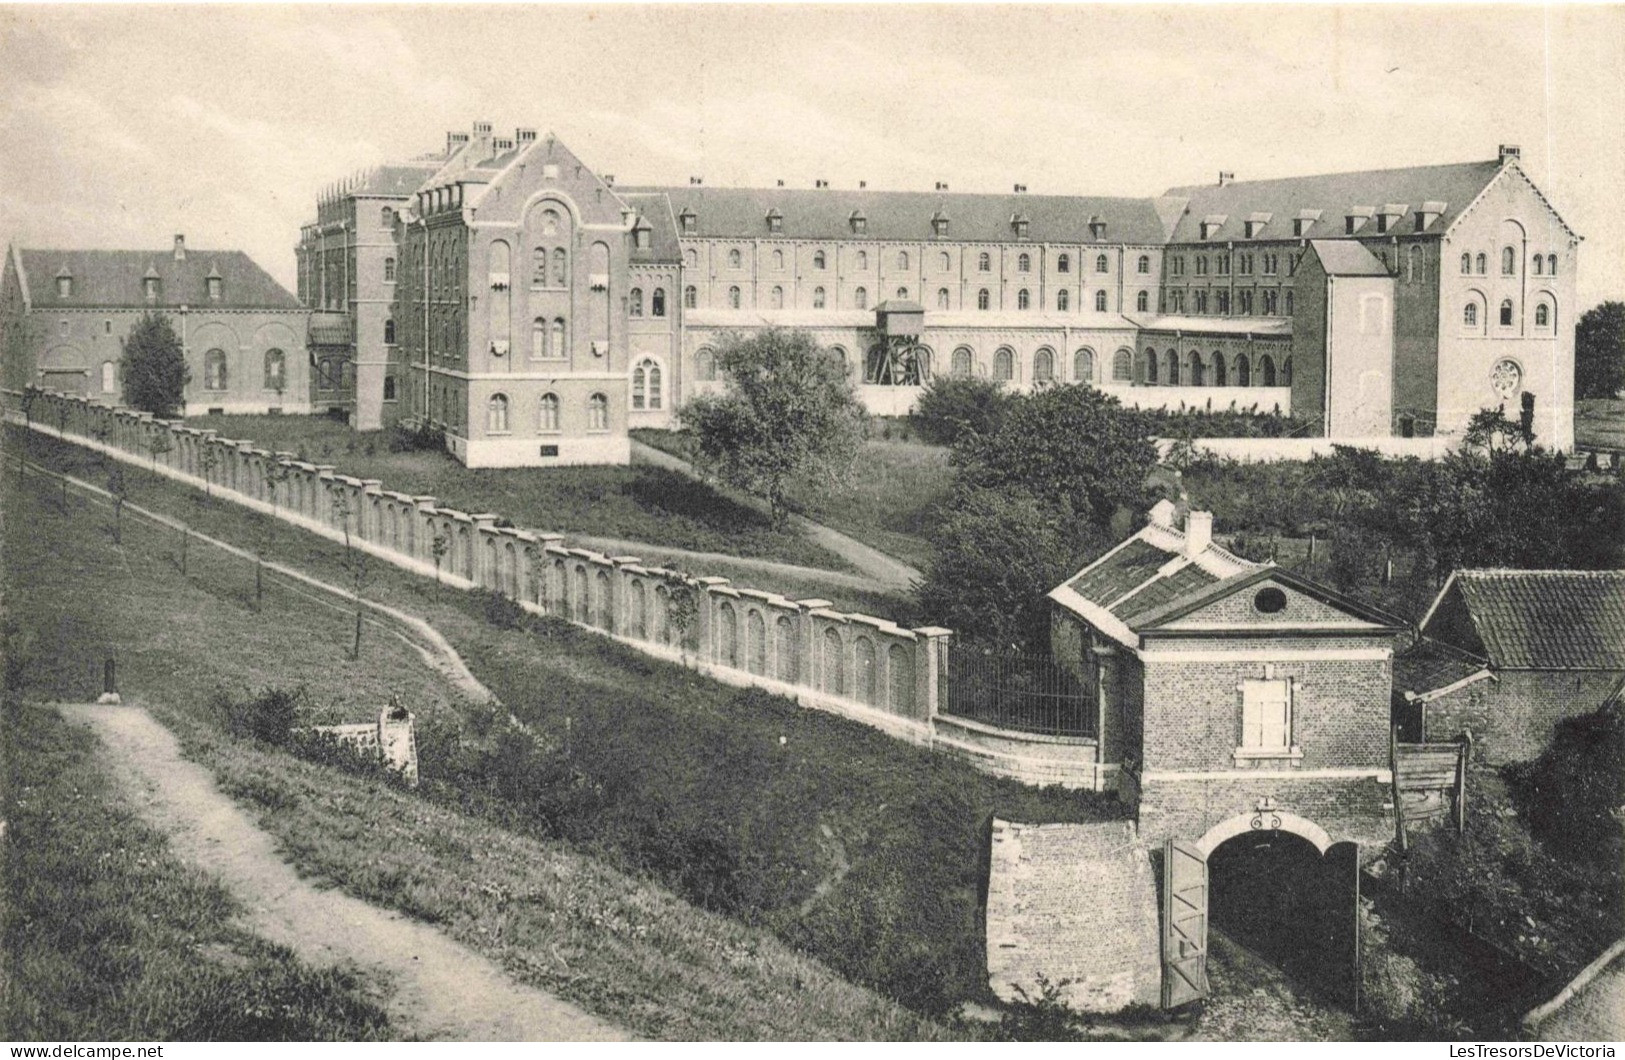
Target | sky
(121,126)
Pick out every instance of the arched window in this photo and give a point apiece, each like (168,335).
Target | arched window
(646,385)
(1466,264)
(496,414)
(839,354)
(734,258)
(1286,371)
(389,270)
(1142,301)
(777,298)
(727,636)
(1543,317)
(1063,300)
(834,663)
(1004,364)
(863,259)
(1043,366)
(778,259)
(1244,370)
(1171,362)
(982,299)
(389,332)
(900,664)
(860,298)
(634,302)
(984,262)
(1022,298)
(691,259)
(561,267)
(1083,366)
(1506,312)
(275,370)
(1266,369)
(960,364)
(1289,303)
(548,420)
(902,259)
(1469,315)
(1551,264)
(1101,264)
(1540,265)
(538,267)
(863,657)
(944,262)
(1100,301)
(109,377)
(1151,367)
(818,259)
(1024,262)
(1483,264)
(598,413)
(942,298)
(902,292)
(1063,263)
(1413,264)
(1143,266)
(691,297)
(214,370)
(755,643)
(1122,367)
(386,218)
(1509,261)
(1220,376)
(789,658)
(657,302)
(1198,369)
(705,365)
(733,298)
(818,298)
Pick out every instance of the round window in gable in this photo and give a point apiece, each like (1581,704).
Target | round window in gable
(1270,601)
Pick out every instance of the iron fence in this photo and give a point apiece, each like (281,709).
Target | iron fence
(1017,690)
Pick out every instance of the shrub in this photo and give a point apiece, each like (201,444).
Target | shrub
(501,611)
(267,717)
(1572,793)
(411,438)
(326,749)
(951,407)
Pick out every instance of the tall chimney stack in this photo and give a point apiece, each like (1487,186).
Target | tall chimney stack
(1509,152)
(1198,533)
(1225,178)
(180,247)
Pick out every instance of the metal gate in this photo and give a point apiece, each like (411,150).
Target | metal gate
(1017,690)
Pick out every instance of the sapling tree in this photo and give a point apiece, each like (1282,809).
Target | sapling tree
(355,562)
(30,396)
(120,491)
(208,459)
(158,443)
(438,547)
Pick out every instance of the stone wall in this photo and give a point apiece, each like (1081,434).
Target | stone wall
(1352,806)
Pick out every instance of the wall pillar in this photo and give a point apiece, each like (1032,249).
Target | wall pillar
(930,670)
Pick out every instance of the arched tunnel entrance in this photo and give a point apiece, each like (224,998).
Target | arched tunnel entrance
(1273,884)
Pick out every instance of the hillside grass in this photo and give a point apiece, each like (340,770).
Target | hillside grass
(640,503)
(887,500)
(614,941)
(109,937)
(1600,423)
(862,851)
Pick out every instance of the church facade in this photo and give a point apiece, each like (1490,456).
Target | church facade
(538,311)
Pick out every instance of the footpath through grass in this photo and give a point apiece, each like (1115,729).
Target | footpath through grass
(864,852)
(638,503)
(621,945)
(108,937)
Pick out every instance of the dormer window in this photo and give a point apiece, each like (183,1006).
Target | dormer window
(1388,217)
(1097,228)
(689,221)
(149,288)
(1211,224)
(858,223)
(1429,213)
(1018,224)
(64,285)
(775,220)
(216,288)
(939,226)
(1355,220)
(640,237)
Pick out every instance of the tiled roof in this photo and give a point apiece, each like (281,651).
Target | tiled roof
(825,213)
(1335,195)
(398,180)
(1430,665)
(1544,620)
(114,278)
(1343,257)
(655,209)
(1149,571)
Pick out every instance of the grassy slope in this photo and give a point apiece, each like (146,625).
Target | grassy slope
(637,503)
(624,947)
(109,937)
(886,501)
(691,784)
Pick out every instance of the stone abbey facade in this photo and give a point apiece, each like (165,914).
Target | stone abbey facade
(538,311)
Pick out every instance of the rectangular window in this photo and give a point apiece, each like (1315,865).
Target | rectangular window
(1266,716)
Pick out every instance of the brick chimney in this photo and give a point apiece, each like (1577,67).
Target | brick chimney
(1225,178)
(1509,152)
(180,247)
(1198,533)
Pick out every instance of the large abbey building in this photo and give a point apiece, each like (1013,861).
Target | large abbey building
(535,309)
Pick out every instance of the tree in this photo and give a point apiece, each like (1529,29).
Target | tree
(997,553)
(1599,351)
(438,547)
(155,371)
(1068,444)
(789,411)
(952,407)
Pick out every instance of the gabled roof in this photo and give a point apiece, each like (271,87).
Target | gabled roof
(1345,257)
(1534,619)
(654,210)
(1335,195)
(1430,668)
(113,278)
(397,180)
(826,213)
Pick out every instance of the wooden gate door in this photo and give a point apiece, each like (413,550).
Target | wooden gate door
(1341,896)
(1184,923)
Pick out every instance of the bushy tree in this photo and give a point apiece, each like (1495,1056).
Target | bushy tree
(1599,351)
(789,411)
(1068,444)
(950,408)
(155,371)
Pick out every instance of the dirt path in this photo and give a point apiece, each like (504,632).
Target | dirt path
(890,572)
(1251,1000)
(1596,1013)
(443,990)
